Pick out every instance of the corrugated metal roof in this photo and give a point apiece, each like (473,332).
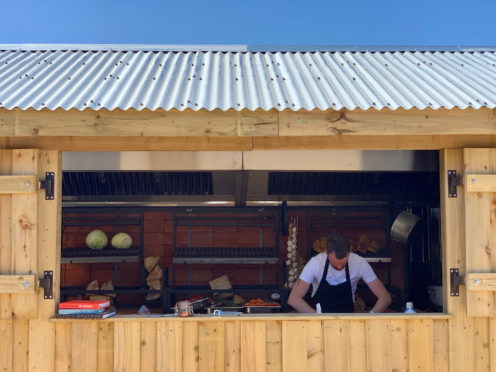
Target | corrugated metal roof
(236,77)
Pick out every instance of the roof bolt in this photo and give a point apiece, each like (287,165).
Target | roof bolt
(189,101)
(373,103)
(85,104)
(430,104)
(293,104)
(354,79)
(474,180)
(239,104)
(334,104)
(141,104)
(485,102)
(477,281)
(28,183)
(278,104)
(27,283)
(69,78)
(310,64)
(386,65)
(127,64)
(461,65)
(43,103)
(201,79)
(318,77)
(470,103)
(388,104)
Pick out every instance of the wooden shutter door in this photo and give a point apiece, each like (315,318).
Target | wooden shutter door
(29,245)
(479,182)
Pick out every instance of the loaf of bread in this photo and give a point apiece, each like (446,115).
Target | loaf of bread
(374,246)
(363,243)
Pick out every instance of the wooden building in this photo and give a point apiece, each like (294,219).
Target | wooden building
(83,99)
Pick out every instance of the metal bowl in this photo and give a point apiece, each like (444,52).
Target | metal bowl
(403,226)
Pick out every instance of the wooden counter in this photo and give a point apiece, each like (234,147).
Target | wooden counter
(253,342)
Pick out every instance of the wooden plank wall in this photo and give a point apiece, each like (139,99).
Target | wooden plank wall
(258,345)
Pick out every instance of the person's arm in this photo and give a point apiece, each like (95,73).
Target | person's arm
(383,296)
(296,300)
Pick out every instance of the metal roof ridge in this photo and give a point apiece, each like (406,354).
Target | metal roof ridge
(255,48)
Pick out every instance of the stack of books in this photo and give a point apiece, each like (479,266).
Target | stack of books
(85,309)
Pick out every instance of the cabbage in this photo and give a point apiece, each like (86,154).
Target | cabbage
(121,241)
(96,239)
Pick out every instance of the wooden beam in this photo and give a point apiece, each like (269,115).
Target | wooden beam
(481,281)
(110,143)
(17,283)
(480,182)
(247,123)
(18,184)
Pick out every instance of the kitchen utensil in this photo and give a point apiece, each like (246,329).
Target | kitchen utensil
(403,226)
(184,308)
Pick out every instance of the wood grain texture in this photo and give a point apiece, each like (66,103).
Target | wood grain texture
(253,346)
(294,349)
(399,345)
(481,344)
(18,184)
(148,346)
(379,345)
(20,348)
(273,339)
(315,346)
(84,346)
(420,345)
(105,353)
(41,345)
(461,355)
(126,347)
(169,346)
(25,233)
(337,345)
(358,348)
(211,346)
(5,234)
(232,346)
(6,345)
(17,284)
(480,182)
(480,282)
(63,347)
(480,231)
(440,357)
(190,347)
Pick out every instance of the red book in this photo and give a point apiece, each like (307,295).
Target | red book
(84,304)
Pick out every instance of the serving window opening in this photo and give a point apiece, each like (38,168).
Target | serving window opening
(251,231)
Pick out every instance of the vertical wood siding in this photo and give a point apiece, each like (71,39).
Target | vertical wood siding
(246,345)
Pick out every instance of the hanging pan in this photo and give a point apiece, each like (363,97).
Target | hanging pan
(403,226)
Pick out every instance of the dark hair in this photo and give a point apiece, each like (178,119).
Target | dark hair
(339,245)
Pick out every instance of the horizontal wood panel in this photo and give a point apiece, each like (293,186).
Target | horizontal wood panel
(18,184)
(481,281)
(480,183)
(230,143)
(17,283)
(244,130)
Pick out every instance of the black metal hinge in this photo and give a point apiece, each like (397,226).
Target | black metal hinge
(455,281)
(453,182)
(47,284)
(48,185)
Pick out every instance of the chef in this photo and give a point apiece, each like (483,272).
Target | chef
(334,276)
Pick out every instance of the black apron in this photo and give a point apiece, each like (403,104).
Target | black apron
(333,298)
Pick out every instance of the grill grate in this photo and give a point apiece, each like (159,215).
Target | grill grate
(86,252)
(224,252)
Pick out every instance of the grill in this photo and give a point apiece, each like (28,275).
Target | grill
(225,255)
(80,255)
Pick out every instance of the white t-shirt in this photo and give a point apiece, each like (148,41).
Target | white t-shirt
(359,269)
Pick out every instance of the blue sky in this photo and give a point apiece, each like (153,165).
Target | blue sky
(276,22)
